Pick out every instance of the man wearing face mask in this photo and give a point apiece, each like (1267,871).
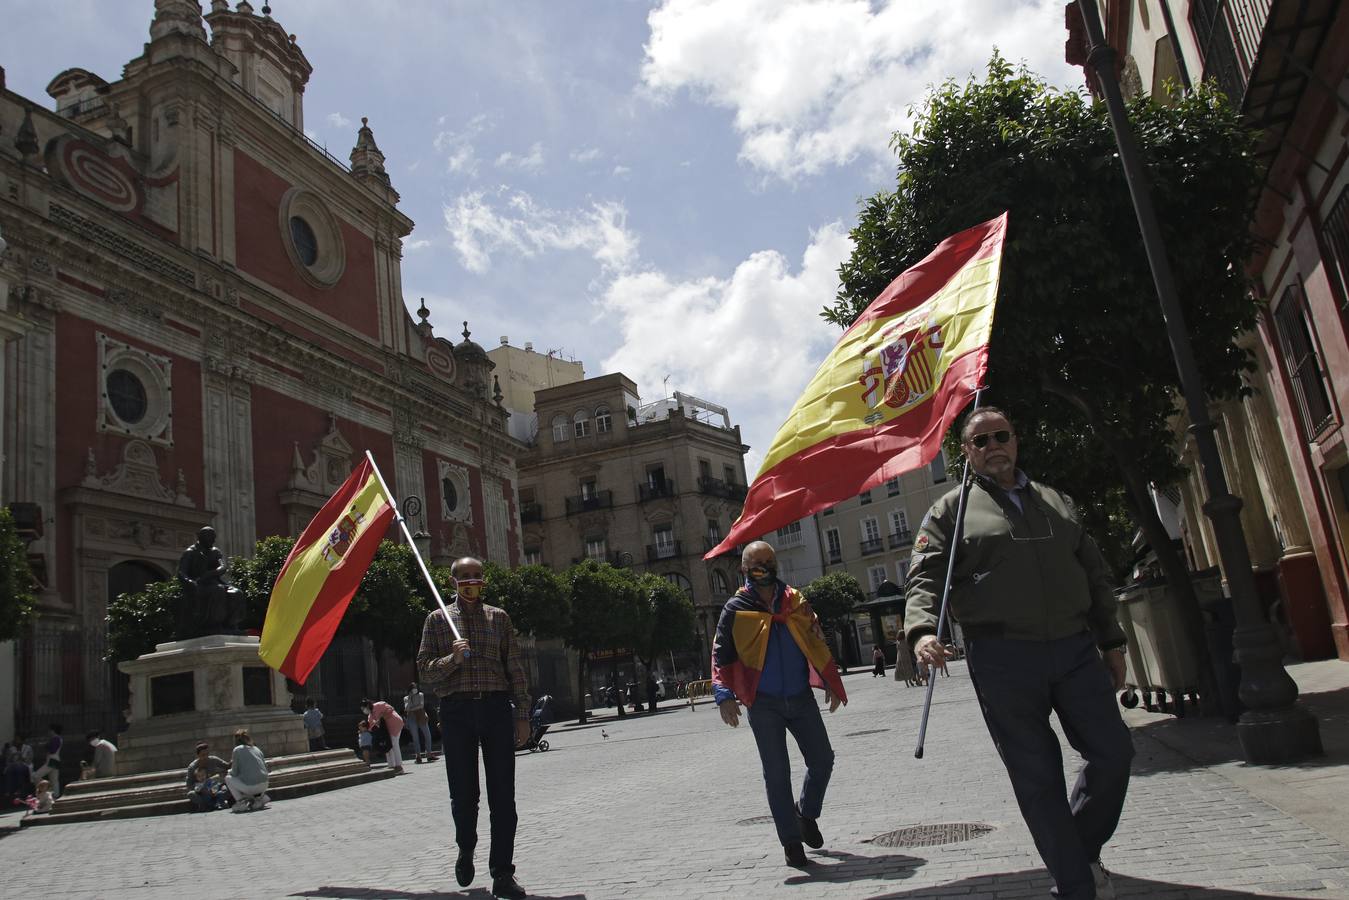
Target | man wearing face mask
(1035,601)
(768,653)
(484,704)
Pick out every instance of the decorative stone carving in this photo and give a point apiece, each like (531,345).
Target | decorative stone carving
(136,476)
(456,497)
(330,467)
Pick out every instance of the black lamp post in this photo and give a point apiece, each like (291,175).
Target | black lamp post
(1275,728)
(412,506)
(704,645)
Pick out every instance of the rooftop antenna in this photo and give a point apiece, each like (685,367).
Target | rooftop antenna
(665,386)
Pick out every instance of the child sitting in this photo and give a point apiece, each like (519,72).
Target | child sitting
(41,801)
(87,770)
(365,740)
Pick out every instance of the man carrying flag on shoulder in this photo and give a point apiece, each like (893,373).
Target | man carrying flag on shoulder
(477,677)
(769,651)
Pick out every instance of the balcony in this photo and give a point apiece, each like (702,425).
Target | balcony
(1229,34)
(720,488)
(654,490)
(531,512)
(588,502)
(655,552)
(874,545)
(835,557)
(901,538)
(615,558)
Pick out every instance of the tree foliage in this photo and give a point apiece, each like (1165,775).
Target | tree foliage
(834,597)
(256,575)
(1079,356)
(16,579)
(537,599)
(606,607)
(391,604)
(666,621)
(138,621)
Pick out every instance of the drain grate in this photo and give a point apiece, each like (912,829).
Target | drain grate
(756,820)
(868,731)
(931,835)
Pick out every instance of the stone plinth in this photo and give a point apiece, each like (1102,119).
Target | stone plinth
(202,690)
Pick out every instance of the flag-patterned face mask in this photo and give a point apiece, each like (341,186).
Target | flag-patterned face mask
(469,588)
(764,576)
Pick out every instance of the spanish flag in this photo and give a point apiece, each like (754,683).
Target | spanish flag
(322,573)
(891,387)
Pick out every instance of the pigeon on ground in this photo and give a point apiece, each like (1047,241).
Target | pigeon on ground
(604,734)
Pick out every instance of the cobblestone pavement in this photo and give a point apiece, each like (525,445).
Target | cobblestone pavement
(655,809)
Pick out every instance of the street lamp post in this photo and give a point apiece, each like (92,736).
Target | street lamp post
(1275,728)
(704,643)
(412,506)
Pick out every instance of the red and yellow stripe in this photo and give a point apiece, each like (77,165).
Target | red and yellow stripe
(322,573)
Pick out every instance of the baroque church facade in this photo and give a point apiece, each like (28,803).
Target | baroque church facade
(203,323)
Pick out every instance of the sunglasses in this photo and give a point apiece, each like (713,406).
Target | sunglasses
(1002,436)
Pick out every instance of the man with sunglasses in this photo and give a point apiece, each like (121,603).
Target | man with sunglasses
(484,703)
(1036,603)
(769,651)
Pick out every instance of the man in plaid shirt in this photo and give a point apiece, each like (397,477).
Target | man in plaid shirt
(484,703)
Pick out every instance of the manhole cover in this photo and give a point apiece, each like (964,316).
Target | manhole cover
(931,835)
(868,731)
(756,820)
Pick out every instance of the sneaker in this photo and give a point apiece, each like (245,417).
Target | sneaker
(241,806)
(261,802)
(796,855)
(810,831)
(507,887)
(463,868)
(1105,885)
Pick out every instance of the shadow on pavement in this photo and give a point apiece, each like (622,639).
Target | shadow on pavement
(838,866)
(359,893)
(1023,884)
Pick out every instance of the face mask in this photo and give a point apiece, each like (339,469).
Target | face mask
(470,588)
(763,576)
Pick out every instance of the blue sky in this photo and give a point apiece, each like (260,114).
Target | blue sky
(659,187)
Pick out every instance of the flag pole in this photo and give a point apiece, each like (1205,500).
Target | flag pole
(421,564)
(952,545)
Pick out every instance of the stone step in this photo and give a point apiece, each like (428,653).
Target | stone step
(181,805)
(102,785)
(175,789)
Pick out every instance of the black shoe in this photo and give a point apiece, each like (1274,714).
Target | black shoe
(796,855)
(507,887)
(463,868)
(810,832)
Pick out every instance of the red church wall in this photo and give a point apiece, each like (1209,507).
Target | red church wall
(78,386)
(511,518)
(259,250)
(281,421)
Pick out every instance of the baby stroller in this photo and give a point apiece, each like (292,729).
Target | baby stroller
(537,727)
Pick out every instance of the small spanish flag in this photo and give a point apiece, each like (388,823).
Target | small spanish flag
(322,573)
(891,387)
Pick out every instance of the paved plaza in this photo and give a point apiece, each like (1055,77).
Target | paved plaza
(672,806)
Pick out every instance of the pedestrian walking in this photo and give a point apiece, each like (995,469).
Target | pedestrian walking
(51,767)
(313,726)
(104,754)
(484,693)
(380,713)
(1034,598)
(247,776)
(414,709)
(769,651)
(877,662)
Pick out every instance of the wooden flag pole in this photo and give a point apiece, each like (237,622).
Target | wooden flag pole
(946,588)
(421,564)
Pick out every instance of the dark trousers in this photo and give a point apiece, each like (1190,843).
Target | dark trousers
(317,743)
(466,725)
(1019,683)
(770,718)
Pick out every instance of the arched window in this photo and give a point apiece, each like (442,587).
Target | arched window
(604,422)
(561,429)
(581,423)
(720,586)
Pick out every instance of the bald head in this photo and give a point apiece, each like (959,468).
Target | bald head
(462,567)
(757,552)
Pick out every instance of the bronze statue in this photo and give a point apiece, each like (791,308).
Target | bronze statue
(210,604)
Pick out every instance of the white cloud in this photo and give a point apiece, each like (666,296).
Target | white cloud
(530,162)
(460,157)
(622,171)
(818,83)
(511,221)
(414,245)
(590,154)
(752,340)
(337,120)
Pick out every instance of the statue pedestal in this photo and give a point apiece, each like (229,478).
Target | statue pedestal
(202,690)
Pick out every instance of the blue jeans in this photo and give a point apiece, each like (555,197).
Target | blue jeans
(770,718)
(1019,683)
(421,734)
(466,725)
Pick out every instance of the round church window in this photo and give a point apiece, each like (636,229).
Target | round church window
(126,396)
(306,244)
(451,495)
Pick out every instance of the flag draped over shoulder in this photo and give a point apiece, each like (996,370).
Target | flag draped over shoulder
(882,400)
(322,573)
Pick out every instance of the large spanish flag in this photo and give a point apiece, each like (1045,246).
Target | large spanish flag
(322,573)
(882,400)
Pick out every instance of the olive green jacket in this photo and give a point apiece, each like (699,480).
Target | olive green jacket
(1034,576)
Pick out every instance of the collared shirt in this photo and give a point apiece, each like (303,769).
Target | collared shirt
(494,662)
(313,722)
(1014,493)
(414,701)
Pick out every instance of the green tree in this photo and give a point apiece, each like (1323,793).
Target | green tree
(1079,356)
(389,609)
(666,624)
(16,579)
(606,612)
(834,597)
(535,597)
(138,621)
(256,575)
